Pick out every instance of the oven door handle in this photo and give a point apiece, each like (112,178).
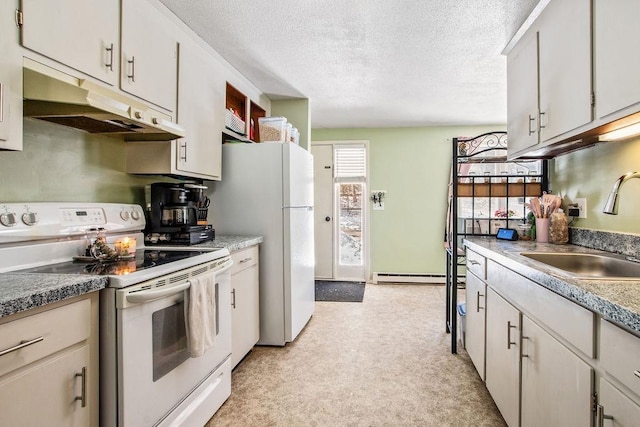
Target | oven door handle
(226,266)
(150,295)
(154,294)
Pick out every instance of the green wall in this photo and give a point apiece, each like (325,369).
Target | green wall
(298,113)
(591,173)
(413,165)
(62,164)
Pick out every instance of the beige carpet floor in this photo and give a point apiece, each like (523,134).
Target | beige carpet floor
(383,362)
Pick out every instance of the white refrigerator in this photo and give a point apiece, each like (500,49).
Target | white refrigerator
(267,190)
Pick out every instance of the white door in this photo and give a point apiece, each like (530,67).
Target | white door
(323,204)
(341,203)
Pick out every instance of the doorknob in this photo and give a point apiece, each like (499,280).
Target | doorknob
(327,218)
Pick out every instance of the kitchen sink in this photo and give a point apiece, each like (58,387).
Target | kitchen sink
(589,266)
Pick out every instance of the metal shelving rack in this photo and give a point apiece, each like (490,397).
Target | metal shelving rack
(502,186)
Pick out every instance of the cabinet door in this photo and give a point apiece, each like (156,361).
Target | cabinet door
(201,112)
(45,393)
(556,384)
(82,34)
(522,95)
(475,321)
(565,67)
(246,312)
(149,57)
(503,356)
(10,79)
(615,409)
(616,35)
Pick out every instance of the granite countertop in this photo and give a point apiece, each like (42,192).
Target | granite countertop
(232,243)
(618,301)
(24,291)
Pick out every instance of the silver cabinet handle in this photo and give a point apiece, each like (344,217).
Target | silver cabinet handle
(183,144)
(246,260)
(83,397)
(509,342)
(636,373)
(600,416)
(523,339)
(233,298)
(531,119)
(542,113)
(478,308)
(132,62)
(22,344)
(109,63)
(1,102)
(473,262)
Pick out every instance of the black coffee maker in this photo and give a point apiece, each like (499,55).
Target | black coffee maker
(176,214)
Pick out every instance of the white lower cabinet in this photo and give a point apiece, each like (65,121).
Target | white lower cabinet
(245,302)
(49,365)
(615,409)
(503,356)
(556,384)
(618,405)
(46,394)
(475,322)
(539,350)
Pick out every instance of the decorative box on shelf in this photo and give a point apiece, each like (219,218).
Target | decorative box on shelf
(529,189)
(234,122)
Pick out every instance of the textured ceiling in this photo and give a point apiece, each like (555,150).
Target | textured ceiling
(369,63)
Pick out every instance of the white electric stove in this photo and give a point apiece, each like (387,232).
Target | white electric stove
(146,374)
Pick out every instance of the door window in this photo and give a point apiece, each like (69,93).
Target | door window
(350,223)
(350,190)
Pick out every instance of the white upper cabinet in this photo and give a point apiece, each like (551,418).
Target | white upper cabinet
(149,54)
(82,34)
(10,80)
(201,98)
(549,76)
(616,38)
(565,67)
(522,104)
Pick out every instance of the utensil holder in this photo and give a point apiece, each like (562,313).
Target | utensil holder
(542,230)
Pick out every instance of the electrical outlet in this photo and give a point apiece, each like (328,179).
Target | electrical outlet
(581,202)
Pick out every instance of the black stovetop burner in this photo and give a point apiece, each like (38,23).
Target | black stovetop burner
(144,259)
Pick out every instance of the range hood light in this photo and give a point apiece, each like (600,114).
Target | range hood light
(622,133)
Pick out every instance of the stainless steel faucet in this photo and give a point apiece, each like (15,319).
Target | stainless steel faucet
(611,207)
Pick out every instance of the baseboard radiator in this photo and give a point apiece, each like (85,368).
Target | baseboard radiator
(408,278)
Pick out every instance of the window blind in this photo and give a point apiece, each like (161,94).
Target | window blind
(350,162)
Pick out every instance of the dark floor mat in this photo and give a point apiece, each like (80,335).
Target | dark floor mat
(339,291)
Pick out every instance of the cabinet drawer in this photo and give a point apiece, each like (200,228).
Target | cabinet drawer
(566,318)
(59,328)
(619,352)
(477,264)
(244,258)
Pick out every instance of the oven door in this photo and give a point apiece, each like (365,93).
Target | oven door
(155,371)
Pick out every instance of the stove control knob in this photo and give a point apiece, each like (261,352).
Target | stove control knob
(124,215)
(30,218)
(135,215)
(8,219)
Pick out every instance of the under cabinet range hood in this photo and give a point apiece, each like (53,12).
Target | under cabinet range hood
(59,98)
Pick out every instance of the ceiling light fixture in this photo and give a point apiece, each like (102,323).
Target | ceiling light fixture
(622,133)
